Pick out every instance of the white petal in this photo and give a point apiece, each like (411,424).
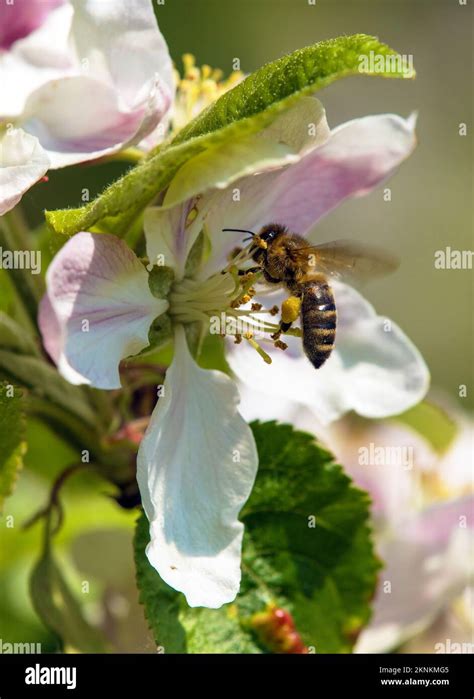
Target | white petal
(22,163)
(98,309)
(374,372)
(123,46)
(286,140)
(170,236)
(355,159)
(385,371)
(196,468)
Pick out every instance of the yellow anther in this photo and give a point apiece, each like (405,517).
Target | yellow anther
(189,62)
(197,89)
(245,298)
(290,309)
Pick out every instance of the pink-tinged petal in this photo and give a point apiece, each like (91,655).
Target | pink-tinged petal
(41,57)
(386,459)
(428,561)
(196,468)
(22,163)
(73,129)
(355,159)
(53,340)
(21,17)
(359,155)
(126,76)
(96,77)
(98,309)
(374,369)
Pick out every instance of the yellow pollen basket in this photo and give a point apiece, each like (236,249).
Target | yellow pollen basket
(290,309)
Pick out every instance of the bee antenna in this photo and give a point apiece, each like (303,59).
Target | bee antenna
(237,230)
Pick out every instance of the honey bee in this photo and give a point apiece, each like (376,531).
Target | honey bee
(288,260)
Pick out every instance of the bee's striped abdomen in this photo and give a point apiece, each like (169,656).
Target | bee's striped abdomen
(318,317)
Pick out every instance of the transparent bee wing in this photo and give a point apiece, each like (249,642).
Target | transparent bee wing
(346,259)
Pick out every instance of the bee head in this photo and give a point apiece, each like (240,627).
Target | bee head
(270,232)
(260,241)
(267,235)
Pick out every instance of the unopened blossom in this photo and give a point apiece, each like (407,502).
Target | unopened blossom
(83,78)
(197,461)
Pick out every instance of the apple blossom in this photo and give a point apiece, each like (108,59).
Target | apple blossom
(84,77)
(197,461)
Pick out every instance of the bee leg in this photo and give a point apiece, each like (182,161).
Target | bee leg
(250,270)
(283,328)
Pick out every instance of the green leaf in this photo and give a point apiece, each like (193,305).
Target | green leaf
(58,608)
(432,423)
(300,73)
(13,446)
(247,109)
(324,575)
